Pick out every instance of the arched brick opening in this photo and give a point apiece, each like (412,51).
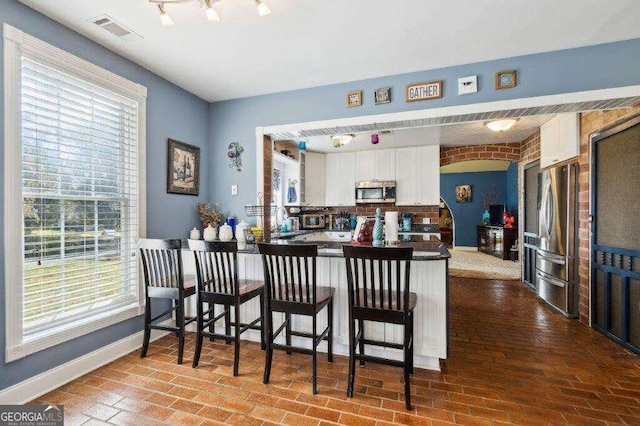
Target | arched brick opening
(498,151)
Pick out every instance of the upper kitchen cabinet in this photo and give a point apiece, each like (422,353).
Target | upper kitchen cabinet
(314,178)
(559,139)
(418,176)
(379,164)
(340,179)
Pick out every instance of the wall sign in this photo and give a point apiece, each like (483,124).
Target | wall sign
(424,91)
(383,96)
(354,98)
(505,79)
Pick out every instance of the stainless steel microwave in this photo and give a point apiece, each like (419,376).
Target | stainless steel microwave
(377,191)
(312,221)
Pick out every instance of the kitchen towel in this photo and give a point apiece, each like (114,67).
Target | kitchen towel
(391,226)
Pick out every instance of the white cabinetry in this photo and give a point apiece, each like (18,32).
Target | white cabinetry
(418,176)
(314,179)
(559,139)
(379,164)
(340,179)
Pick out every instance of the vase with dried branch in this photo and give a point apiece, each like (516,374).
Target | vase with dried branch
(490,196)
(210,215)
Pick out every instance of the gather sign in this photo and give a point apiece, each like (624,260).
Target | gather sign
(424,91)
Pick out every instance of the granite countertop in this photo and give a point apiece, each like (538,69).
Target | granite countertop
(431,249)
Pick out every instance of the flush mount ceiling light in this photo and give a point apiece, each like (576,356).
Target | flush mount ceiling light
(210,12)
(341,140)
(501,125)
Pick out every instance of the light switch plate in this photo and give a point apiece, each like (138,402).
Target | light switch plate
(467,85)
(234,189)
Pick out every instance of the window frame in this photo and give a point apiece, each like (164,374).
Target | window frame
(16,45)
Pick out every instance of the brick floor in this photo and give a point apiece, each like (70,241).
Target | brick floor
(513,361)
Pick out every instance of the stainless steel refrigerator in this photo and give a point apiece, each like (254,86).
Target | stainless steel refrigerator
(557,254)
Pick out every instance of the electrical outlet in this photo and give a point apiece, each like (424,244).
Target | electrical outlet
(234,189)
(467,85)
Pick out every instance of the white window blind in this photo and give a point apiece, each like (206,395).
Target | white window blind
(79,191)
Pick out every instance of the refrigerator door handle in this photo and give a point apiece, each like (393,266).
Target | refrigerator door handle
(551,280)
(558,260)
(545,209)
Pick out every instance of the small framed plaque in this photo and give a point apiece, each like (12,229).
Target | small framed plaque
(383,96)
(505,79)
(354,98)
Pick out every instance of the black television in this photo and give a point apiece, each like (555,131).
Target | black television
(496,214)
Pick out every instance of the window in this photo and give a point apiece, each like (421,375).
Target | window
(74,186)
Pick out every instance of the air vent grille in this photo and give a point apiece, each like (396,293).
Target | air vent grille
(114,27)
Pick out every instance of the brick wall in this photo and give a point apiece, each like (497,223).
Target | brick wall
(419,212)
(530,148)
(498,151)
(267,174)
(590,122)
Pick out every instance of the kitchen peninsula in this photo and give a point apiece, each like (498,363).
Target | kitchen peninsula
(429,280)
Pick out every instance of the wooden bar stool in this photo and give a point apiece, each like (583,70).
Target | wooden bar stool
(218,284)
(378,288)
(163,278)
(290,288)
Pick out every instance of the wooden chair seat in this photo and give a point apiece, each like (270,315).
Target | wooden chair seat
(378,289)
(218,284)
(164,279)
(291,288)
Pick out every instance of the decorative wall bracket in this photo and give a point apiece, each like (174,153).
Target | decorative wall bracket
(234,154)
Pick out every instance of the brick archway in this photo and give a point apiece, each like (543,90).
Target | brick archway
(498,151)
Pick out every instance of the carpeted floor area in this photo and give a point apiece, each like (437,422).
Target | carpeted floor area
(473,264)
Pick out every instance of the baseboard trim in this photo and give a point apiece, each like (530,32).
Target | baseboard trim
(466,248)
(45,382)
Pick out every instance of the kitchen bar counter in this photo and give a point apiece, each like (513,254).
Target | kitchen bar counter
(429,280)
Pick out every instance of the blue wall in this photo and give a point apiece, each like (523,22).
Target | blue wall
(467,216)
(171,113)
(573,70)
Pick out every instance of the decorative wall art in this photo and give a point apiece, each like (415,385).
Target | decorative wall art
(354,98)
(183,168)
(383,96)
(505,79)
(276,179)
(234,154)
(424,91)
(463,193)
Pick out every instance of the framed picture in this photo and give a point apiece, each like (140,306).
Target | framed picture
(505,79)
(463,193)
(423,91)
(383,96)
(183,168)
(354,98)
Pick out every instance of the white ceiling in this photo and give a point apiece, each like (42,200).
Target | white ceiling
(475,133)
(307,43)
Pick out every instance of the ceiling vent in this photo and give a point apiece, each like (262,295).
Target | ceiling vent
(109,24)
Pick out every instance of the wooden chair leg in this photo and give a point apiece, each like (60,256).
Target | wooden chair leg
(212,326)
(181,333)
(174,304)
(330,334)
(315,354)
(147,330)
(287,318)
(199,335)
(352,357)
(263,345)
(411,343)
(227,323)
(236,349)
(269,349)
(407,365)
(361,341)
